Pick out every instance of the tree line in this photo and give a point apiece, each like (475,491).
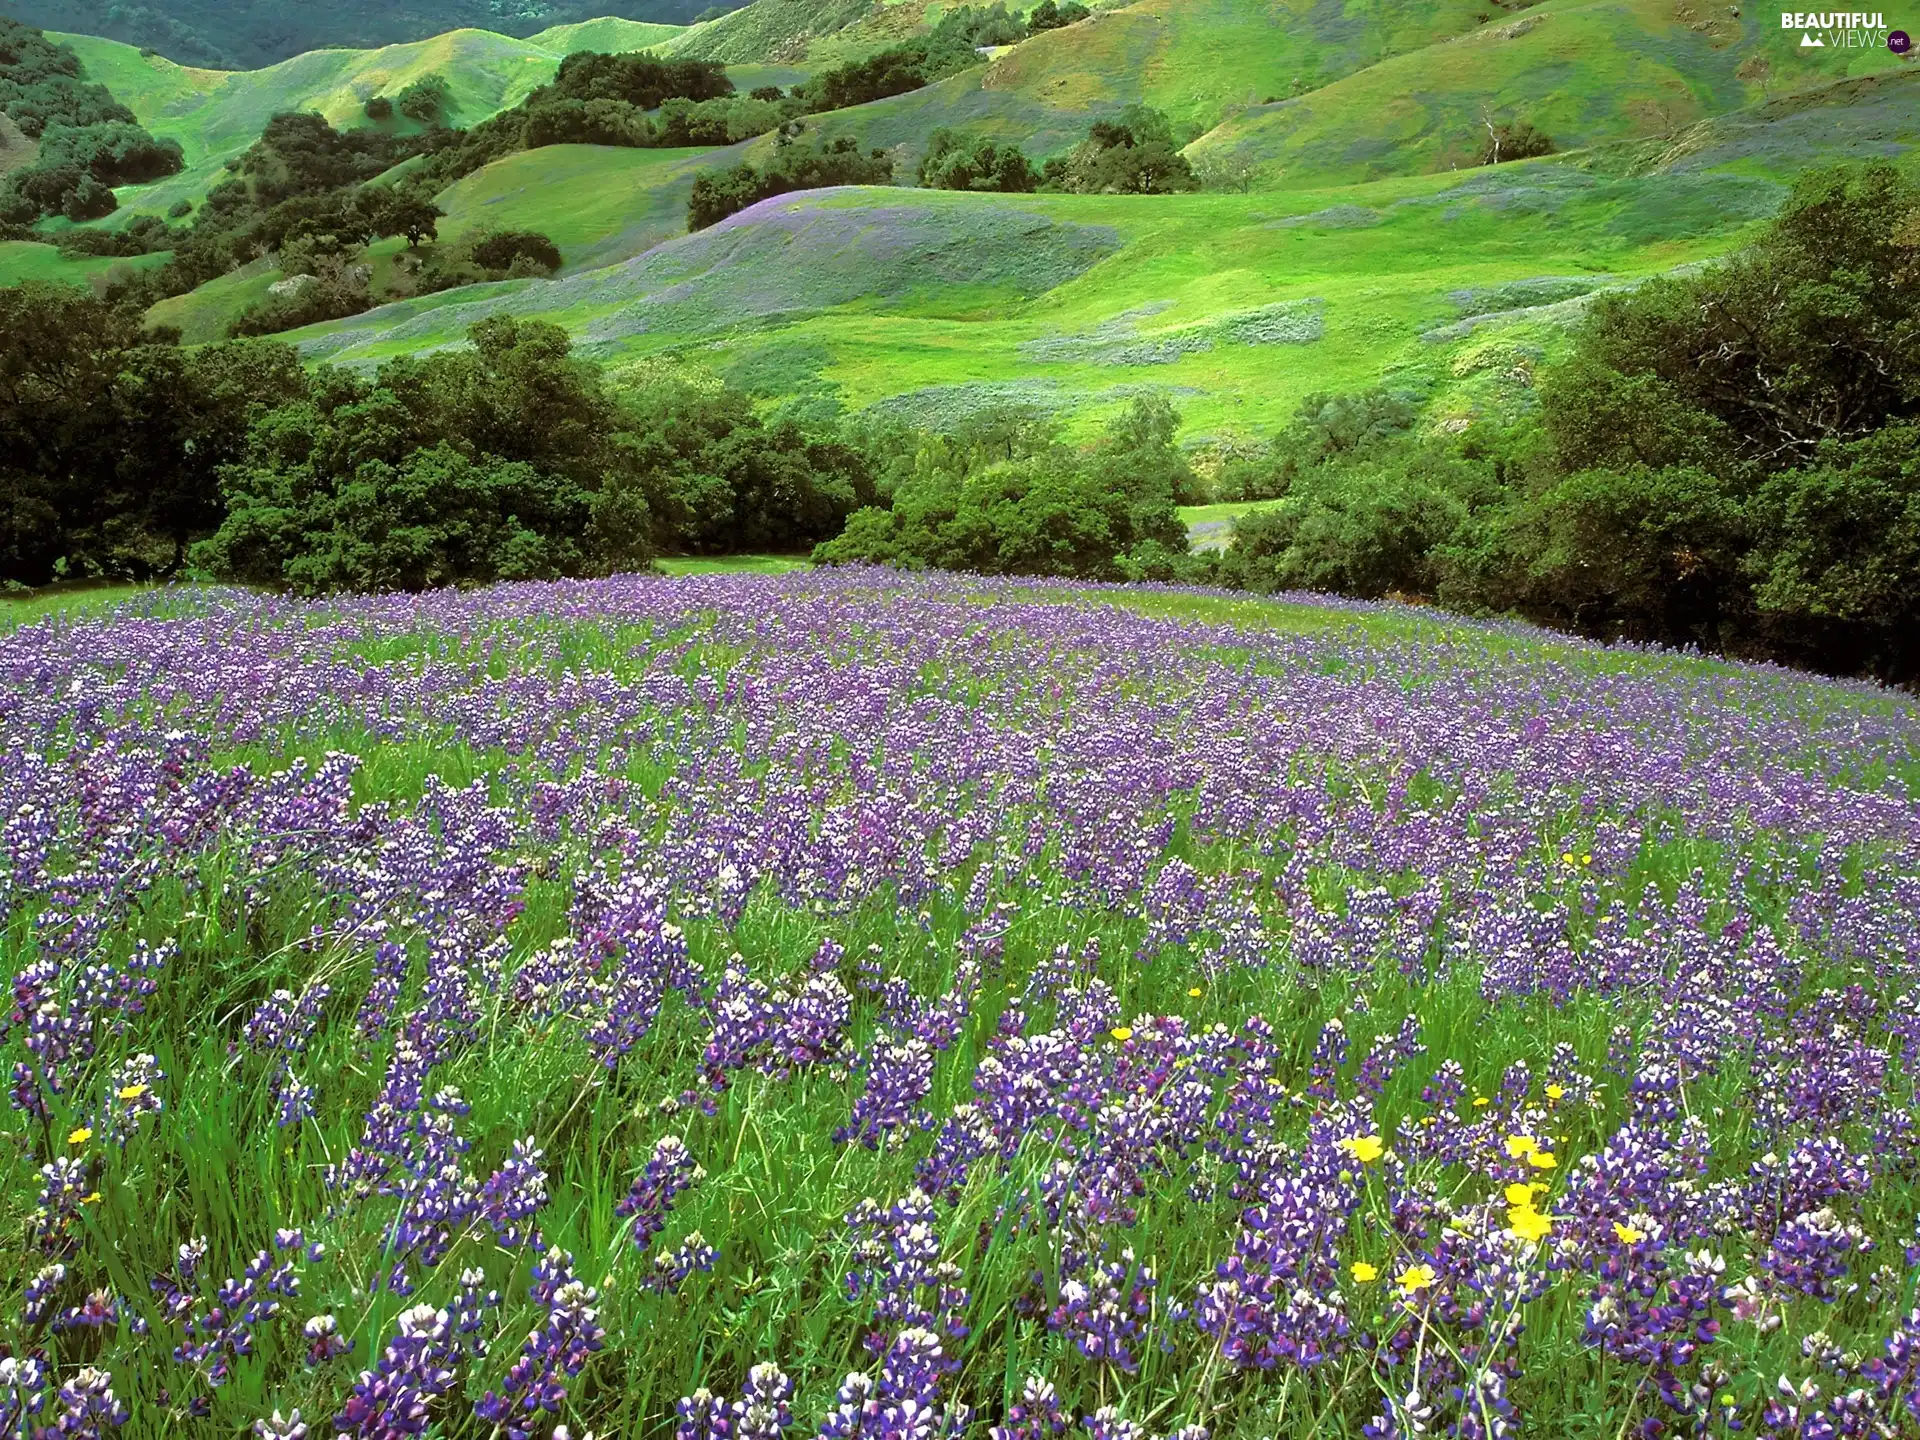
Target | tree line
(1134,153)
(125,455)
(1728,459)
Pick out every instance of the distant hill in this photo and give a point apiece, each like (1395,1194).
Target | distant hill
(1584,72)
(932,305)
(217,114)
(249,34)
(1351,237)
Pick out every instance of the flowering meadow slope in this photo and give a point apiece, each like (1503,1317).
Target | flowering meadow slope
(841,1005)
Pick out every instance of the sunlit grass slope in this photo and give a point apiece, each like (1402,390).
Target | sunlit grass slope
(1583,71)
(23,260)
(1199,60)
(216,114)
(598,203)
(932,305)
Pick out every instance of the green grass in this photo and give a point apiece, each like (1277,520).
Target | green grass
(23,260)
(216,114)
(1454,287)
(742,696)
(1583,71)
(1190,260)
(598,203)
(23,607)
(731,564)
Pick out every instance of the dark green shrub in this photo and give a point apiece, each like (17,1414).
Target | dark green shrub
(956,161)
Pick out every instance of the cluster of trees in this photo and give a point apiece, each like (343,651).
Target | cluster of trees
(1132,154)
(111,435)
(1730,460)
(958,161)
(425,101)
(795,165)
(123,454)
(1049,16)
(89,142)
(302,180)
(1005,497)
(307,195)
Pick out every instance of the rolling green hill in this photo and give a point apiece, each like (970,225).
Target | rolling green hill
(216,115)
(1583,71)
(246,34)
(1370,248)
(1453,287)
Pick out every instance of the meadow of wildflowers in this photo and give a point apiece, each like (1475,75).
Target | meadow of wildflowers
(837,1005)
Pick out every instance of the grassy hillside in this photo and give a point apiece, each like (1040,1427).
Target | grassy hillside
(1454,288)
(22,260)
(789,30)
(216,114)
(1199,60)
(247,34)
(1583,71)
(598,203)
(608,33)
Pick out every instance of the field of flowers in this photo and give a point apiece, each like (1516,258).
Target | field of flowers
(836,1005)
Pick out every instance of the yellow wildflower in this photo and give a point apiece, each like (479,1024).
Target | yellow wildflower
(1195,992)
(1520,1145)
(1542,1160)
(91,1199)
(132,1092)
(1556,1092)
(1528,1223)
(1627,1234)
(1416,1278)
(1519,1194)
(1365,1148)
(1363,1273)
(1480,1100)
(1121,1032)
(80,1136)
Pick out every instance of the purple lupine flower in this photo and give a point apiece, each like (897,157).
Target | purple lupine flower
(555,1353)
(87,1408)
(514,1193)
(324,1341)
(898,1077)
(416,1369)
(670,1171)
(1810,1254)
(703,1416)
(904,1402)
(763,1411)
(672,1267)
(1102,1312)
(42,1292)
(1036,1415)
